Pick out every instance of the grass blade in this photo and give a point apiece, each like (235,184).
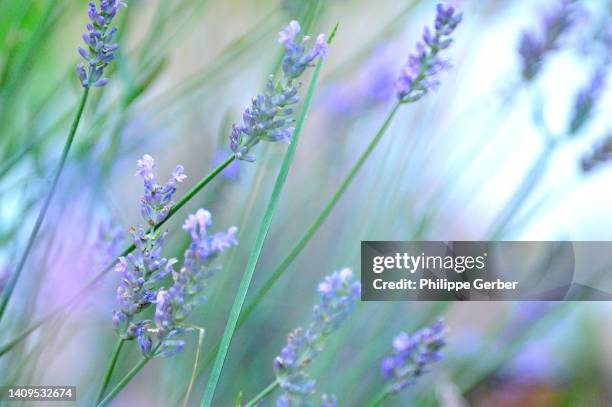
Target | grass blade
(109,371)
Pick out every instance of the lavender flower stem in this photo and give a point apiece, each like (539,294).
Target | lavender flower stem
(379,398)
(111,368)
(79,295)
(230,327)
(263,394)
(8,291)
(126,379)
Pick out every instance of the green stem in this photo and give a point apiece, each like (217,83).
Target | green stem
(79,295)
(230,327)
(8,291)
(378,398)
(123,382)
(263,394)
(109,371)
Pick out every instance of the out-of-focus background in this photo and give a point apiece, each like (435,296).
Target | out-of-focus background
(488,155)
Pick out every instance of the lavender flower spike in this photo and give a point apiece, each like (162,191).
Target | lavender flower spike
(338,295)
(269,116)
(100,50)
(586,100)
(157,200)
(601,153)
(175,304)
(145,267)
(533,47)
(419,75)
(412,354)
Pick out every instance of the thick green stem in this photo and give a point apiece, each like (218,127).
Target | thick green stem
(79,295)
(110,369)
(262,395)
(8,291)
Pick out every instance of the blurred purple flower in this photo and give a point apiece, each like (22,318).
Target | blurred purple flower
(534,364)
(533,47)
(109,241)
(420,73)
(269,116)
(586,100)
(412,354)
(375,85)
(600,153)
(338,296)
(98,39)
(232,171)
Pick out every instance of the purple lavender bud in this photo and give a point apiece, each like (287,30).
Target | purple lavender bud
(144,339)
(420,73)
(586,101)
(534,47)
(412,354)
(269,116)
(339,293)
(287,35)
(157,200)
(100,51)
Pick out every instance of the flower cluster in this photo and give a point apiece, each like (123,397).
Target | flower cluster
(586,100)
(420,73)
(533,47)
(142,270)
(338,295)
(601,153)
(98,38)
(157,200)
(269,116)
(139,271)
(173,305)
(412,354)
